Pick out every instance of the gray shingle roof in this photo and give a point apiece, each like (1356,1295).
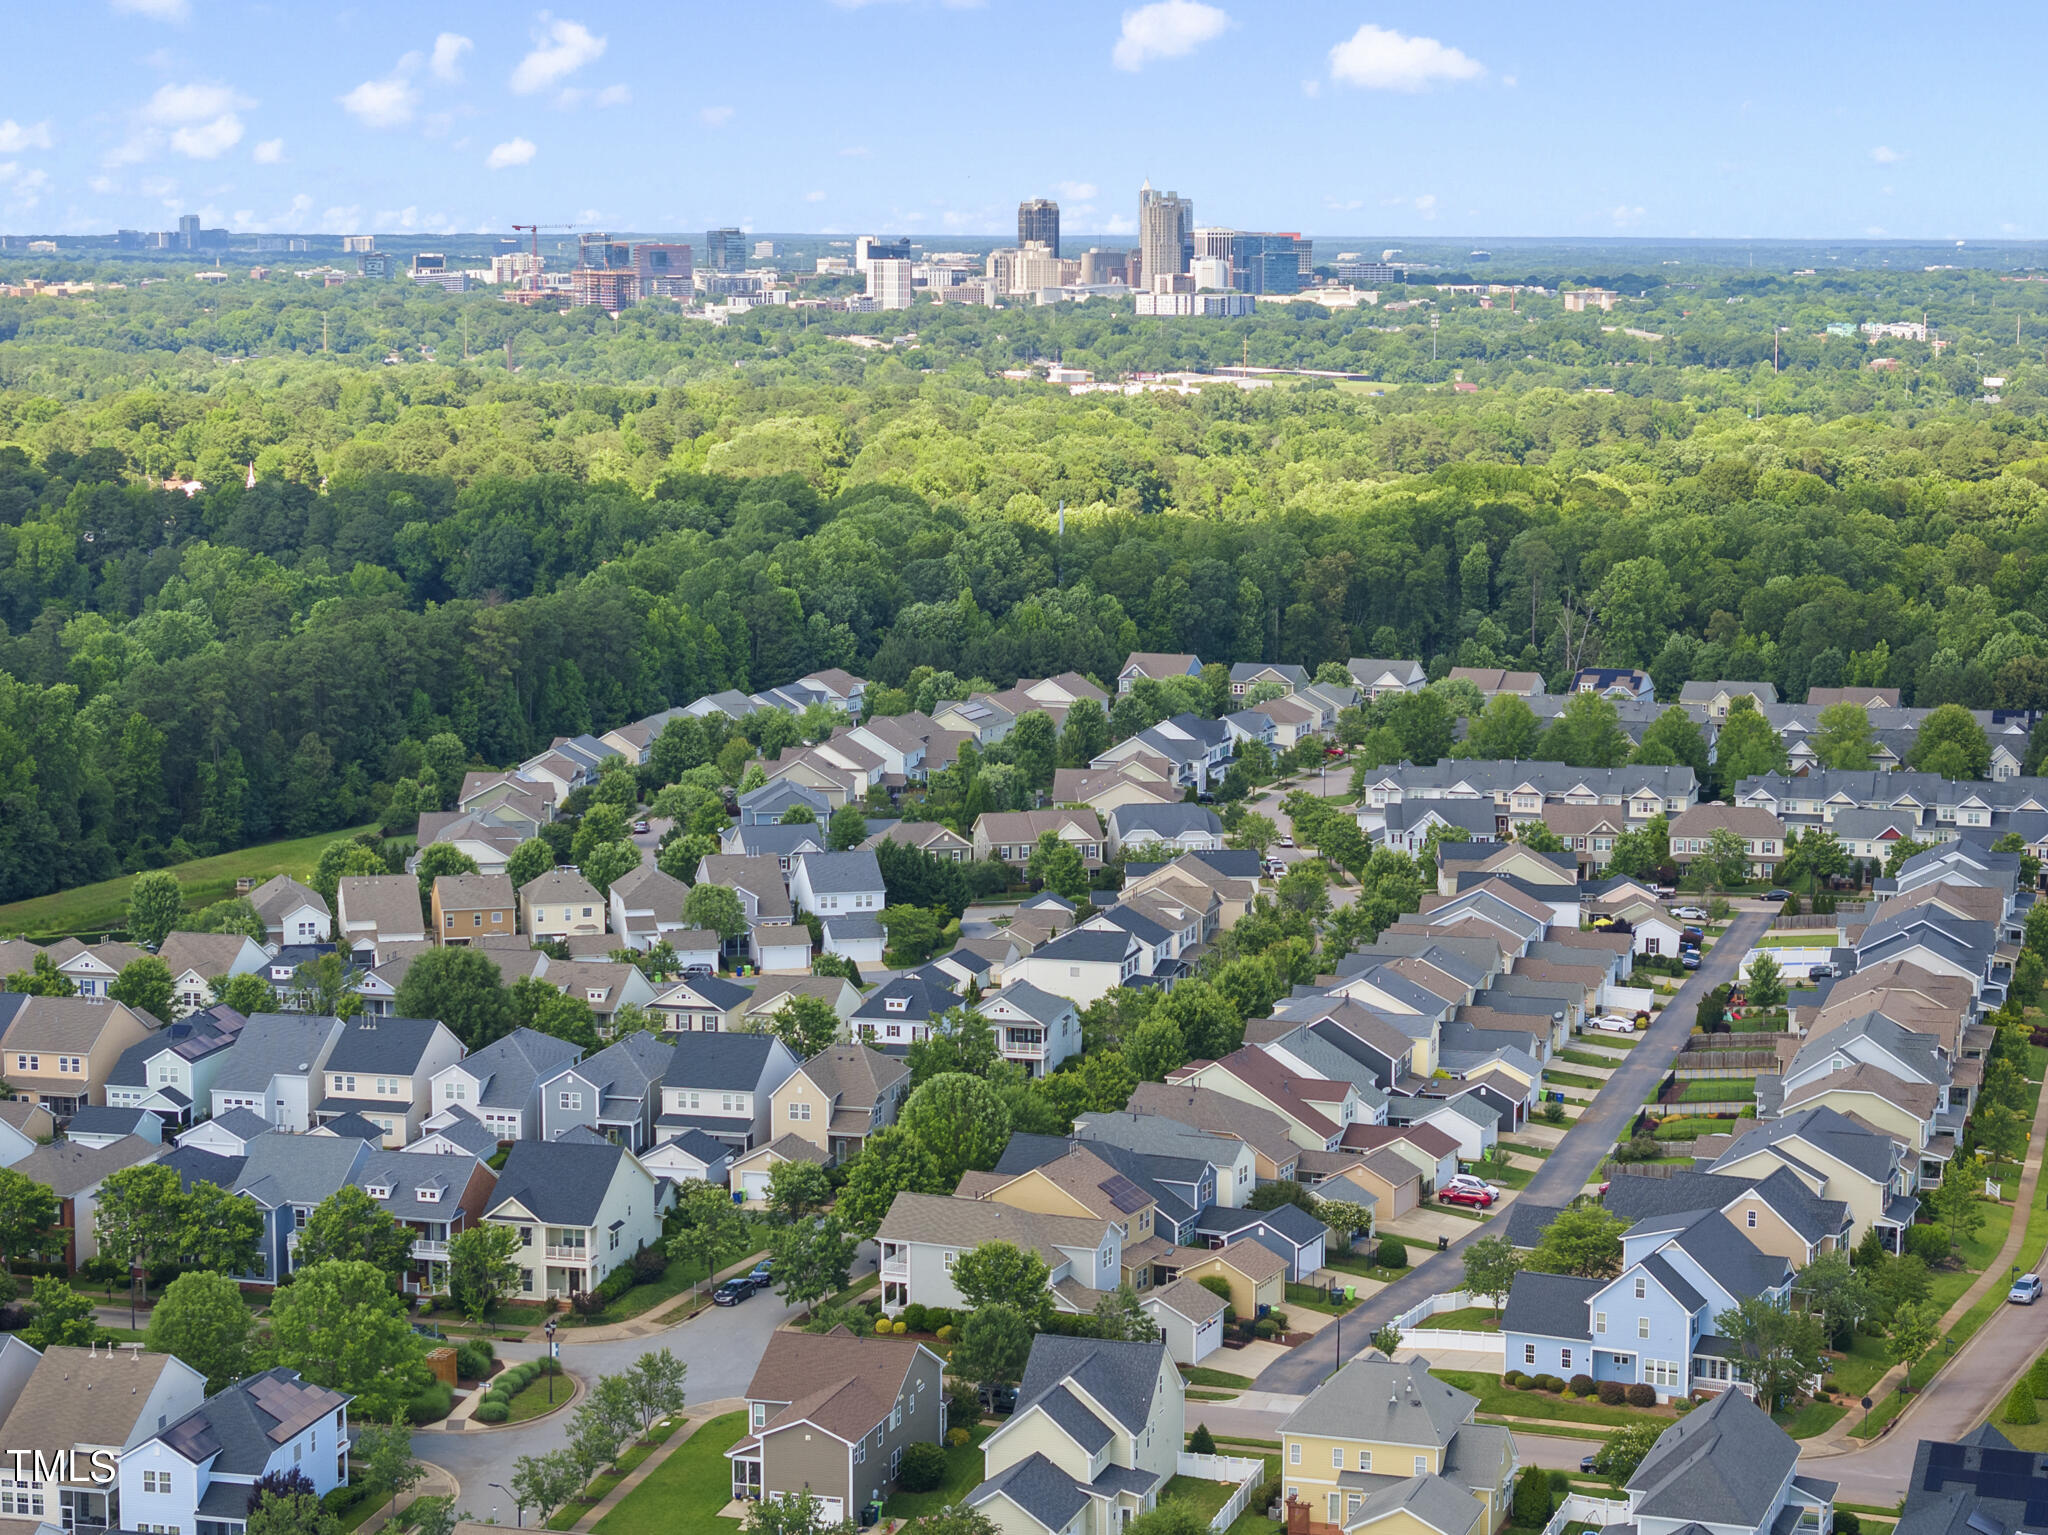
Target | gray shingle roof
(1840,1137)
(272,1045)
(1550,1305)
(509,1067)
(234,1429)
(561,1183)
(412,1179)
(1659,1268)
(1721,1464)
(846,873)
(1173,819)
(1374,1398)
(721,1061)
(1075,1420)
(299,1169)
(1087,947)
(1434,1500)
(1118,1376)
(1716,1246)
(1038,1487)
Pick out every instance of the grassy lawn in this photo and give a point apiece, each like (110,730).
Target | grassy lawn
(1861,1368)
(1812,1419)
(1314,1298)
(1463,1212)
(1506,1174)
(103,906)
(676,1278)
(1201,1375)
(1352,1263)
(1570,1079)
(1717,1090)
(1210,1396)
(533,1401)
(1465,1319)
(682,1495)
(1585,1058)
(963,1475)
(1506,1400)
(1522,1149)
(1692,1127)
(1205,1498)
(601,1485)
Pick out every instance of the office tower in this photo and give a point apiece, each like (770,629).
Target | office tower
(603,288)
(999,270)
(1370,274)
(869,249)
(1099,267)
(889,283)
(428,261)
(1037,267)
(725,250)
(1166,232)
(767,250)
(600,252)
(1211,272)
(352,244)
(1038,223)
(663,269)
(188,232)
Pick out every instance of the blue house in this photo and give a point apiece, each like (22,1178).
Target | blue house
(1654,1323)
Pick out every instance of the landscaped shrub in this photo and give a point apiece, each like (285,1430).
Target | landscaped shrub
(1928,1243)
(2039,1376)
(1551,1113)
(1551,1382)
(1560,1481)
(883,1327)
(914,1318)
(1641,1395)
(473,1359)
(1612,1393)
(1391,1254)
(1201,1441)
(339,1500)
(944,1334)
(1266,1328)
(2019,1406)
(1582,1385)
(1513,1378)
(1533,1503)
(923,1468)
(489,1411)
(936,1317)
(958,1437)
(587,1302)
(649,1264)
(899,1327)
(1847,1523)
(432,1404)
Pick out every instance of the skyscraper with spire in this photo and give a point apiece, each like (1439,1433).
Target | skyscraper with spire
(1166,232)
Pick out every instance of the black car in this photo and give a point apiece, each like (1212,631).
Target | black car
(762,1275)
(999,1401)
(1586,1464)
(732,1292)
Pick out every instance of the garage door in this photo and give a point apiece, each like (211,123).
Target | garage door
(754,1185)
(831,1510)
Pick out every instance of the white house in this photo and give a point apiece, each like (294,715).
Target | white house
(826,884)
(276,1065)
(1189,1319)
(1177,827)
(721,1084)
(581,1207)
(1033,1027)
(1082,966)
(291,912)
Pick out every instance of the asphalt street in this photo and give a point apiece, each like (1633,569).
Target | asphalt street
(1563,1174)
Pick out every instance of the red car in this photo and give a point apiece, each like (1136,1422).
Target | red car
(1477,1198)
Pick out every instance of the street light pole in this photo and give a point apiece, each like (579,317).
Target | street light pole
(519,1508)
(552,1358)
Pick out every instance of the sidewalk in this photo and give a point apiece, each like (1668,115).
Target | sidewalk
(1838,1440)
(700,1414)
(437,1483)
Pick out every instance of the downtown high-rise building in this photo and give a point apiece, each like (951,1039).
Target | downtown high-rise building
(1166,233)
(1038,223)
(725,250)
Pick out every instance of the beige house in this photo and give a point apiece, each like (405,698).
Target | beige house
(560,903)
(59,1051)
(1391,1448)
(466,907)
(1257,1275)
(1096,1435)
(831,1414)
(1837,1159)
(378,909)
(839,1097)
(196,959)
(1082,1184)
(1011,834)
(933,837)
(1762,834)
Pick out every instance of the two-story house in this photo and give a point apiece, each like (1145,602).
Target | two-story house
(1155,666)
(73,1412)
(1097,1432)
(378,909)
(605,984)
(1762,834)
(197,1475)
(560,903)
(844,890)
(764,898)
(615,1093)
(292,912)
(277,1067)
(707,1004)
(1071,1180)
(195,960)
(1011,835)
(59,1051)
(581,1208)
(647,906)
(169,1071)
(724,1085)
(1176,827)
(923,1235)
(904,1009)
(287,1176)
(466,907)
(1838,1159)
(831,1414)
(1655,1322)
(383,1069)
(434,1198)
(1034,1028)
(73,1171)
(1084,966)
(839,1097)
(92,969)
(1380,1443)
(501,1083)
(1727,1467)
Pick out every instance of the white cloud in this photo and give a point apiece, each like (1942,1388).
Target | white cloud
(449,48)
(511,152)
(1337,206)
(192,103)
(814,197)
(1380,59)
(614,95)
(269,152)
(386,103)
(342,220)
(1885,156)
(1624,215)
(1121,225)
(199,120)
(105,184)
(15,137)
(1166,29)
(208,140)
(155,10)
(1076,191)
(1426,205)
(716,117)
(561,48)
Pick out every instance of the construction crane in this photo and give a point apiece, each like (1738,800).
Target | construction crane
(535,230)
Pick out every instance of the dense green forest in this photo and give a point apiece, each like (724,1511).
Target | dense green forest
(628,521)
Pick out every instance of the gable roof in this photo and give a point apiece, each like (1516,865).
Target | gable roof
(1374,1398)
(272,1045)
(240,1428)
(389,903)
(1118,1377)
(1550,1305)
(732,1062)
(94,1397)
(1720,1464)
(559,1183)
(386,1046)
(70,1167)
(841,1381)
(277,897)
(509,1067)
(847,873)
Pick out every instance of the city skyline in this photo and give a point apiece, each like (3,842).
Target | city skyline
(843,116)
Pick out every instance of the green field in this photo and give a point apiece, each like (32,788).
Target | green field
(101,908)
(682,1495)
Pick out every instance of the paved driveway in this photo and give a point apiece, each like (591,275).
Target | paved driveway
(1561,1177)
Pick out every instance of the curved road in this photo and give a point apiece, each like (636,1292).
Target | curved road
(1563,1173)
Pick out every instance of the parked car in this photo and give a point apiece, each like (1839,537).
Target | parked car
(999,1401)
(2025,1290)
(1690,959)
(1777,895)
(1689,913)
(733,1291)
(1286,840)
(1275,867)
(1450,1194)
(1612,1023)
(763,1274)
(1473,1184)
(1586,1463)
(641,826)
(1825,970)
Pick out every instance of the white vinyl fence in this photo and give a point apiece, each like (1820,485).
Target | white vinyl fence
(1247,1473)
(1416,1336)
(1577,1508)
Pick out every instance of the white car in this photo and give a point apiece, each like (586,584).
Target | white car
(1473,1185)
(1285,840)
(1689,913)
(1613,1023)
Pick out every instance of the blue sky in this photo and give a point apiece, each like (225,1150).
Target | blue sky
(929,117)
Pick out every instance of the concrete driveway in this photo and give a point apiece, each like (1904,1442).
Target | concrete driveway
(1560,1178)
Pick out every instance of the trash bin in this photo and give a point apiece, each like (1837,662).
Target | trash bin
(1443,1244)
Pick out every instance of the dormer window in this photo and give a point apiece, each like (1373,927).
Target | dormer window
(427,1196)
(377,1190)
(896,1004)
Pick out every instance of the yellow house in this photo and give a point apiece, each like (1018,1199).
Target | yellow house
(1257,1275)
(1374,1420)
(1834,1157)
(1082,1184)
(1896,1106)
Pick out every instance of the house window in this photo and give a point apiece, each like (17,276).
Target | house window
(1337,1458)
(346,1086)
(1661,1372)
(570,1103)
(72,1063)
(1294,1454)
(800,1111)
(1599,1321)
(1365,1460)
(946,1258)
(1641,1287)
(20,1498)
(1642,1327)
(156,1481)
(455,1092)
(1528,1353)
(1422,1465)
(1749,1218)
(760,1411)
(1564,1358)
(526,1280)
(449,921)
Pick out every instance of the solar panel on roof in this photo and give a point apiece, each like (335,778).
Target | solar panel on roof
(1123,1193)
(294,1406)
